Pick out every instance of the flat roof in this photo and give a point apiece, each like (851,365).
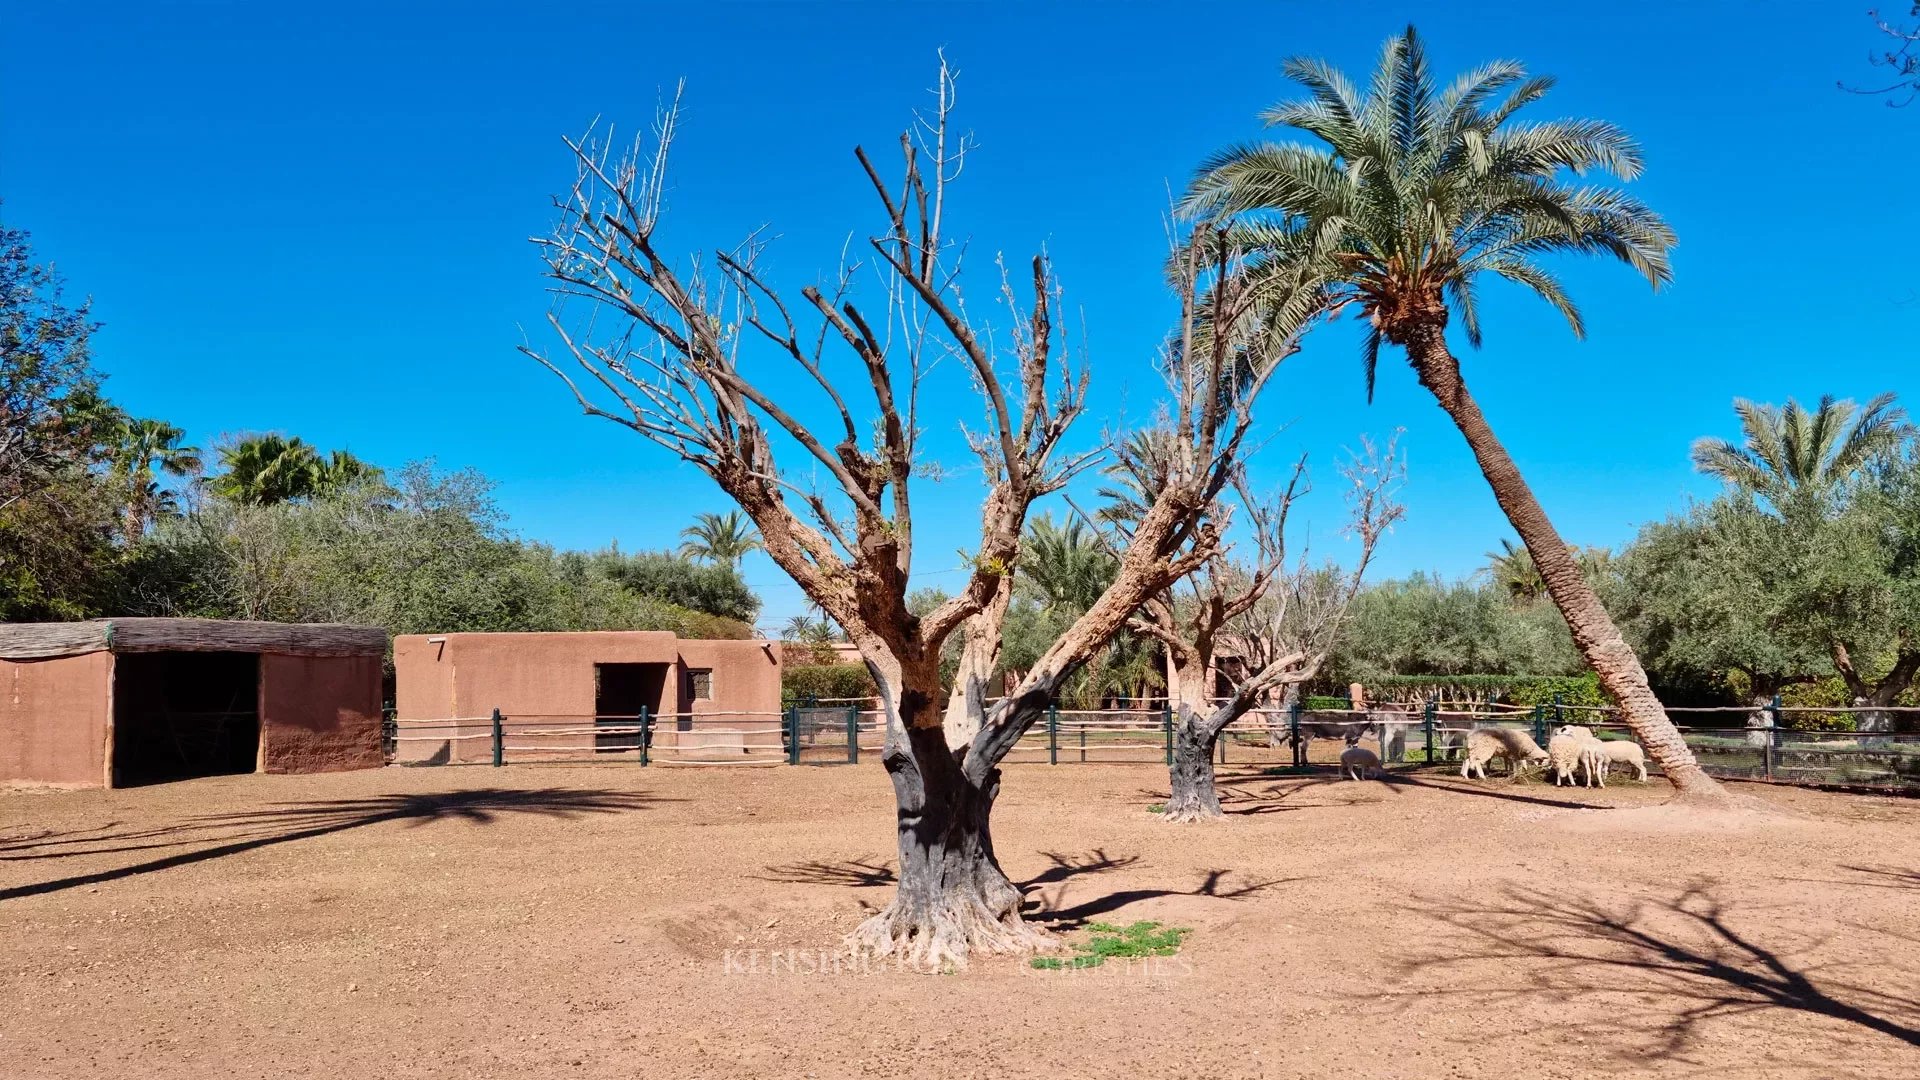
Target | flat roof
(33,641)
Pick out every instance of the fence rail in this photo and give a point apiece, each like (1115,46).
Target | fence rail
(1867,747)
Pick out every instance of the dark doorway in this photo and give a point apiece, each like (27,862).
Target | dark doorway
(620,691)
(185,714)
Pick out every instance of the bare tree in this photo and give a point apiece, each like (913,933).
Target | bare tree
(1898,56)
(666,353)
(1278,621)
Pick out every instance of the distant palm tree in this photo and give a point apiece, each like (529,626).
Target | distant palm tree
(1793,455)
(721,539)
(140,448)
(263,470)
(1406,198)
(1513,572)
(1065,566)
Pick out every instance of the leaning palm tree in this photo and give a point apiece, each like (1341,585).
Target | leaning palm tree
(1406,198)
(721,539)
(141,450)
(1794,457)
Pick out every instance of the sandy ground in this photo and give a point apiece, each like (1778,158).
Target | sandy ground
(619,922)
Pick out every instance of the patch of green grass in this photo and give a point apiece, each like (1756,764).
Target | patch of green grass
(1157,808)
(1107,942)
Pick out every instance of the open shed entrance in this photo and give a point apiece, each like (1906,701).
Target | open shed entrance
(620,691)
(178,715)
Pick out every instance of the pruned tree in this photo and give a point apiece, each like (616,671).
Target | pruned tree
(673,354)
(1278,619)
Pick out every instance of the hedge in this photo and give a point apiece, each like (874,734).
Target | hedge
(1506,689)
(799,682)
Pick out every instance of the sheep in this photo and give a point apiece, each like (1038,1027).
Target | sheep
(1625,752)
(1592,756)
(1485,744)
(1565,755)
(1357,761)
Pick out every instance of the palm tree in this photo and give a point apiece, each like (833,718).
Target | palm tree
(142,447)
(1406,199)
(337,472)
(1795,457)
(1513,572)
(721,539)
(262,470)
(1064,565)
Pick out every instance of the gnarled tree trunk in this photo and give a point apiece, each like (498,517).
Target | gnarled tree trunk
(1594,633)
(953,899)
(1192,795)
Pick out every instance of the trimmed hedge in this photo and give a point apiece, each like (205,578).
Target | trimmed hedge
(1506,689)
(801,681)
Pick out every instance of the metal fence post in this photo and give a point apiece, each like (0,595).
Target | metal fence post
(793,734)
(853,734)
(1540,723)
(1559,717)
(1053,734)
(1773,735)
(499,741)
(646,735)
(1433,711)
(1293,733)
(1220,740)
(1166,726)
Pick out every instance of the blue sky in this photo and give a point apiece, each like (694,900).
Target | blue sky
(314,220)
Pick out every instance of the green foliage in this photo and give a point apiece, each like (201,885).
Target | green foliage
(800,682)
(1582,689)
(1406,195)
(264,470)
(426,553)
(1797,459)
(1110,942)
(1420,625)
(717,589)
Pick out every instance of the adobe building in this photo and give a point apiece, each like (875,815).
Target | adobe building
(707,699)
(119,702)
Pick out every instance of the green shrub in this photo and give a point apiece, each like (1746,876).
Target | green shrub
(799,682)
(1583,689)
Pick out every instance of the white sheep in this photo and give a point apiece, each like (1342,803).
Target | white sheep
(1356,762)
(1485,744)
(1565,755)
(1592,756)
(1625,752)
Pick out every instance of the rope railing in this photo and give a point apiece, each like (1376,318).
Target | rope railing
(841,730)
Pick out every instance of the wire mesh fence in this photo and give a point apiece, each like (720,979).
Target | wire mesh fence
(1858,747)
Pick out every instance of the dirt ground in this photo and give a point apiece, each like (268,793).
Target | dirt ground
(619,922)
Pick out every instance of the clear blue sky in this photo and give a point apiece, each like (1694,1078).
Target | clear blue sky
(313,219)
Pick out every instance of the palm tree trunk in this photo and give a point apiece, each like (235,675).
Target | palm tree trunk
(1594,633)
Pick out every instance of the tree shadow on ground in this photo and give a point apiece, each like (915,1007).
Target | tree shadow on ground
(868,874)
(1561,947)
(219,835)
(1274,798)
(1466,787)
(1874,877)
(1212,884)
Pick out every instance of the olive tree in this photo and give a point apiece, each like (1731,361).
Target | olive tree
(675,352)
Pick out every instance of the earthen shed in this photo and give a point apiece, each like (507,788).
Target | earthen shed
(710,694)
(118,702)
